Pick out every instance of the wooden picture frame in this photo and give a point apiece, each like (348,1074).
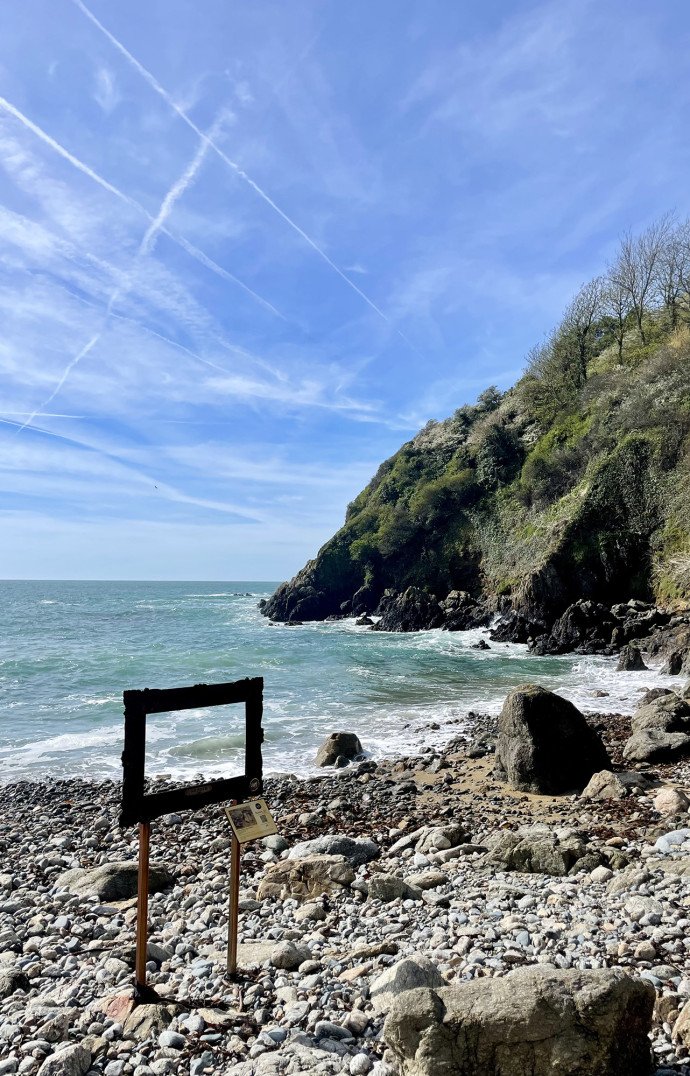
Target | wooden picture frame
(141,806)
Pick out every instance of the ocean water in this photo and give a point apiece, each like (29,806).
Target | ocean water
(69,649)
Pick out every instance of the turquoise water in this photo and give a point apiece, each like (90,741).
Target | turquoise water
(69,649)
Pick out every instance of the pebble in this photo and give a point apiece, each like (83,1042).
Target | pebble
(302,1001)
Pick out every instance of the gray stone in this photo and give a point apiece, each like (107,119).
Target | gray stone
(275,843)
(535,1021)
(356,850)
(668,713)
(653,745)
(306,878)
(172,1039)
(73,1060)
(289,956)
(199,1064)
(545,744)
(389,887)
(607,785)
(113,881)
(12,979)
(409,973)
(538,849)
(157,952)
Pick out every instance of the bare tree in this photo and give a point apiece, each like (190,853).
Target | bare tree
(673,270)
(578,323)
(617,306)
(637,267)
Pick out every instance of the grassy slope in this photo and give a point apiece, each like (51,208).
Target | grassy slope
(507,499)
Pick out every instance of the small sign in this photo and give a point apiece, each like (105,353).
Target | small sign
(251,820)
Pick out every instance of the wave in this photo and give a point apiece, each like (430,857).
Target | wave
(210,747)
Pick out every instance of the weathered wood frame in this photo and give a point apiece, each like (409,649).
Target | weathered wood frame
(138,806)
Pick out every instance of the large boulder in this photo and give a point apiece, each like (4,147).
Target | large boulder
(338,743)
(410,973)
(545,744)
(653,745)
(114,881)
(669,713)
(304,879)
(538,849)
(356,850)
(536,1021)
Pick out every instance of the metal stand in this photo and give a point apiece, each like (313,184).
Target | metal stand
(142,906)
(233,911)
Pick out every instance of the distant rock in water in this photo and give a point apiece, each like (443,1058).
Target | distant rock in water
(631,660)
(338,744)
(545,744)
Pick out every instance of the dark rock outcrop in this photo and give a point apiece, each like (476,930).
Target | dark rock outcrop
(414,610)
(545,744)
(631,660)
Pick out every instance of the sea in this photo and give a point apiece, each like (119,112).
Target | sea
(69,649)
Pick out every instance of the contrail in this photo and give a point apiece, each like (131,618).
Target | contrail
(155,84)
(66,372)
(193,251)
(145,246)
(176,191)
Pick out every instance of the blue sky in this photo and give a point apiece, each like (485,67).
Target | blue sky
(248,249)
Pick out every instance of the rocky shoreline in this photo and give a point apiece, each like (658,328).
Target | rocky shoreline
(426,872)
(584,627)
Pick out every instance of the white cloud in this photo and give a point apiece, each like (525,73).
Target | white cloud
(106,93)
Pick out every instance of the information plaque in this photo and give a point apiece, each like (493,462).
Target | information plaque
(251,820)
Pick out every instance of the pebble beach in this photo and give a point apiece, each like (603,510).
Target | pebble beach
(427,875)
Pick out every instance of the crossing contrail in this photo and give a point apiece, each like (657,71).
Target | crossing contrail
(190,249)
(145,247)
(155,84)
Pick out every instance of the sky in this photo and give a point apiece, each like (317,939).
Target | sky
(248,249)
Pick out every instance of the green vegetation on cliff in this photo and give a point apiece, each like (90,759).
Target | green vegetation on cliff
(574,483)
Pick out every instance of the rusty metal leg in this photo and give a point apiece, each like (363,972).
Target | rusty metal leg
(233,912)
(142,903)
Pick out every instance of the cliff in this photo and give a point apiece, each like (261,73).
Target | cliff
(574,484)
